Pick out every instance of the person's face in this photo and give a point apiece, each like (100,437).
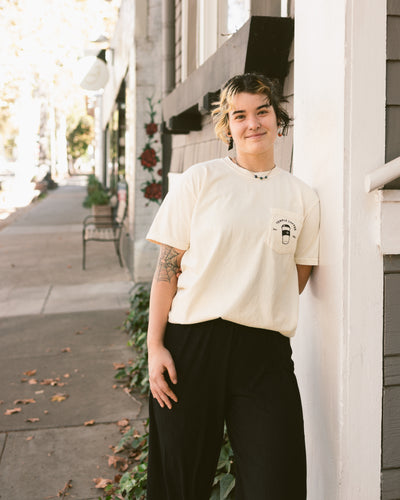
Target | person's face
(252,123)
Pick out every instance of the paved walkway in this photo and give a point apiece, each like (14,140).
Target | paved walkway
(59,336)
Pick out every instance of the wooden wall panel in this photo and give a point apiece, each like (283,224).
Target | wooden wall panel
(390,478)
(393,8)
(391,370)
(391,429)
(392,86)
(390,484)
(393,38)
(392,314)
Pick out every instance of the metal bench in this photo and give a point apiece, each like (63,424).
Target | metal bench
(104,229)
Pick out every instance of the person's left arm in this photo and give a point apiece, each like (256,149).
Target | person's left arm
(303,273)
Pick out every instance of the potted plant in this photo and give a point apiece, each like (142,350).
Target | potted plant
(98,199)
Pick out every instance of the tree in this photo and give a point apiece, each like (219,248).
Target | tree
(40,42)
(80,137)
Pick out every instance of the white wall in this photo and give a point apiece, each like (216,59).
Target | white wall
(137,55)
(148,78)
(121,45)
(339,128)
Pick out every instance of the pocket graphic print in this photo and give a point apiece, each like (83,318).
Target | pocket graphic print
(284,229)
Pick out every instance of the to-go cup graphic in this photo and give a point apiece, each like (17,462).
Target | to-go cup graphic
(285,234)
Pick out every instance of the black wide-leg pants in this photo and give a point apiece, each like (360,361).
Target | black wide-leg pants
(242,376)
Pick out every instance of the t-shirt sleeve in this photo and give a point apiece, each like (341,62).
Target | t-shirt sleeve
(171,225)
(307,250)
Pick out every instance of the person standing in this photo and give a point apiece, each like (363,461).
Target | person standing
(238,239)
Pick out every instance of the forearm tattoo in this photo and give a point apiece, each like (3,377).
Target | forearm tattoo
(167,267)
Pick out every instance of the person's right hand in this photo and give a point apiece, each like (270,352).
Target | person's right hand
(160,361)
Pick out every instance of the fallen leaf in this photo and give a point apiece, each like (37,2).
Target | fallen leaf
(78,333)
(90,422)
(58,398)
(114,461)
(118,366)
(24,380)
(45,412)
(66,349)
(50,381)
(32,420)
(69,266)
(29,438)
(62,493)
(67,375)
(30,373)
(123,423)
(39,392)
(32,381)
(24,401)
(12,411)
(1,401)
(117,479)
(101,482)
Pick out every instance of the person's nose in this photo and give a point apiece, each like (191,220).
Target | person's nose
(254,122)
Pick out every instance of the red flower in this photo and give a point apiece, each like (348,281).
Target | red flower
(159,172)
(151,129)
(153,191)
(148,158)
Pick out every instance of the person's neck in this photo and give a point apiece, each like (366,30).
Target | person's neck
(256,163)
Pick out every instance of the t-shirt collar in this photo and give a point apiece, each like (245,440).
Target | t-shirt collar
(250,174)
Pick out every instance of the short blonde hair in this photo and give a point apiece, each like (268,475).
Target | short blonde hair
(252,83)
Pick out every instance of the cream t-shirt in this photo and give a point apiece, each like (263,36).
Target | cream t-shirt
(243,237)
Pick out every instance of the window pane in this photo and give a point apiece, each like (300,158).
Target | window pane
(238,13)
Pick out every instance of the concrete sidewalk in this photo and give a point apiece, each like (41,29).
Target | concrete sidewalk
(59,336)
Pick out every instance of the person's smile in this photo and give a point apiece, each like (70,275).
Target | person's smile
(255,135)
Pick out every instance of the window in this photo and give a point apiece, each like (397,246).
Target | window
(207,24)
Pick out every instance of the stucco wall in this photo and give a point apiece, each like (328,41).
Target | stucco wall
(147,62)
(339,65)
(137,56)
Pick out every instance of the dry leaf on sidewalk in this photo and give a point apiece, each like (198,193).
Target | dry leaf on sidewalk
(32,420)
(90,422)
(51,381)
(24,401)
(58,398)
(30,373)
(123,423)
(12,411)
(118,366)
(62,493)
(113,461)
(101,482)
(66,349)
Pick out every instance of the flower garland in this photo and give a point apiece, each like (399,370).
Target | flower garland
(152,188)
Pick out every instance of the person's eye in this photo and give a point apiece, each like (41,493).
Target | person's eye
(239,117)
(263,112)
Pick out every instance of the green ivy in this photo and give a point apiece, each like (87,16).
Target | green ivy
(132,485)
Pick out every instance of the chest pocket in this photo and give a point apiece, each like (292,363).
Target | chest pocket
(283,231)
